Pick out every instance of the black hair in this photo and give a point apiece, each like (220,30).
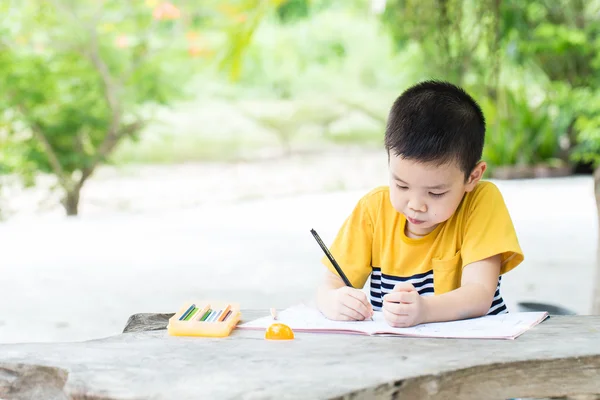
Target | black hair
(436,122)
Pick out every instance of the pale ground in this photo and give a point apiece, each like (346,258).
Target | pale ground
(149,239)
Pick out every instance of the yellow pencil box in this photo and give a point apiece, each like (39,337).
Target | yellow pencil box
(205,318)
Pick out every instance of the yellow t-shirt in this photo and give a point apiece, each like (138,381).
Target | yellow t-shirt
(372,243)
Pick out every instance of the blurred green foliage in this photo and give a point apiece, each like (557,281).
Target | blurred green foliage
(78,77)
(530,63)
(292,10)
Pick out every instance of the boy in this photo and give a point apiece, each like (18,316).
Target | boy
(436,229)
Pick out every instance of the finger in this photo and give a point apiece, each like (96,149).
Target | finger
(393,297)
(359,295)
(351,313)
(362,297)
(407,297)
(397,321)
(342,317)
(397,308)
(357,305)
(404,287)
(401,297)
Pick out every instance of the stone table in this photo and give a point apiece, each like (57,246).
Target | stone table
(561,356)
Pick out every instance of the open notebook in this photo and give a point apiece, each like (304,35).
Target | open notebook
(303,318)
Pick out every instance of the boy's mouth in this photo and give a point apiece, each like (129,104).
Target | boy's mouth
(414,221)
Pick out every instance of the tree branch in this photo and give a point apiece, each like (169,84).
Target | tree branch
(111,91)
(108,146)
(38,132)
(110,88)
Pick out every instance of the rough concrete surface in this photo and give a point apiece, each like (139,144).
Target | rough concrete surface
(560,356)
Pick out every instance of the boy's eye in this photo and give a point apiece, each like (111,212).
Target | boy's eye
(401,187)
(438,194)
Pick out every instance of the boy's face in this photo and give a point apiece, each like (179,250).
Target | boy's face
(428,194)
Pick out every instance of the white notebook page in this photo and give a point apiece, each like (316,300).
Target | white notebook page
(302,318)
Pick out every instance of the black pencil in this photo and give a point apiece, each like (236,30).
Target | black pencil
(330,257)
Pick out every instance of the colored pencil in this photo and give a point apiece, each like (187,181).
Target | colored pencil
(190,315)
(185,314)
(210,316)
(206,315)
(216,317)
(201,313)
(224,313)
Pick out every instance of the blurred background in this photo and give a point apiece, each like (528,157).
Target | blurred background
(153,152)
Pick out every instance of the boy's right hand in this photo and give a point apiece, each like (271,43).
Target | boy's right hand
(347,304)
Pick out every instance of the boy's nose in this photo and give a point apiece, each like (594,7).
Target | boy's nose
(417,206)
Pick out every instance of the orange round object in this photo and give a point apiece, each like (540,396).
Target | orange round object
(279,331)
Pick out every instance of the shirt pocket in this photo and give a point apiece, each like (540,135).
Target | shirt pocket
(447,273)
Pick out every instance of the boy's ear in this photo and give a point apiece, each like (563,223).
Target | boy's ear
(476,175)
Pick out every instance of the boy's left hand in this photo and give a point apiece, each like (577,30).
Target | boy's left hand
(403,307)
